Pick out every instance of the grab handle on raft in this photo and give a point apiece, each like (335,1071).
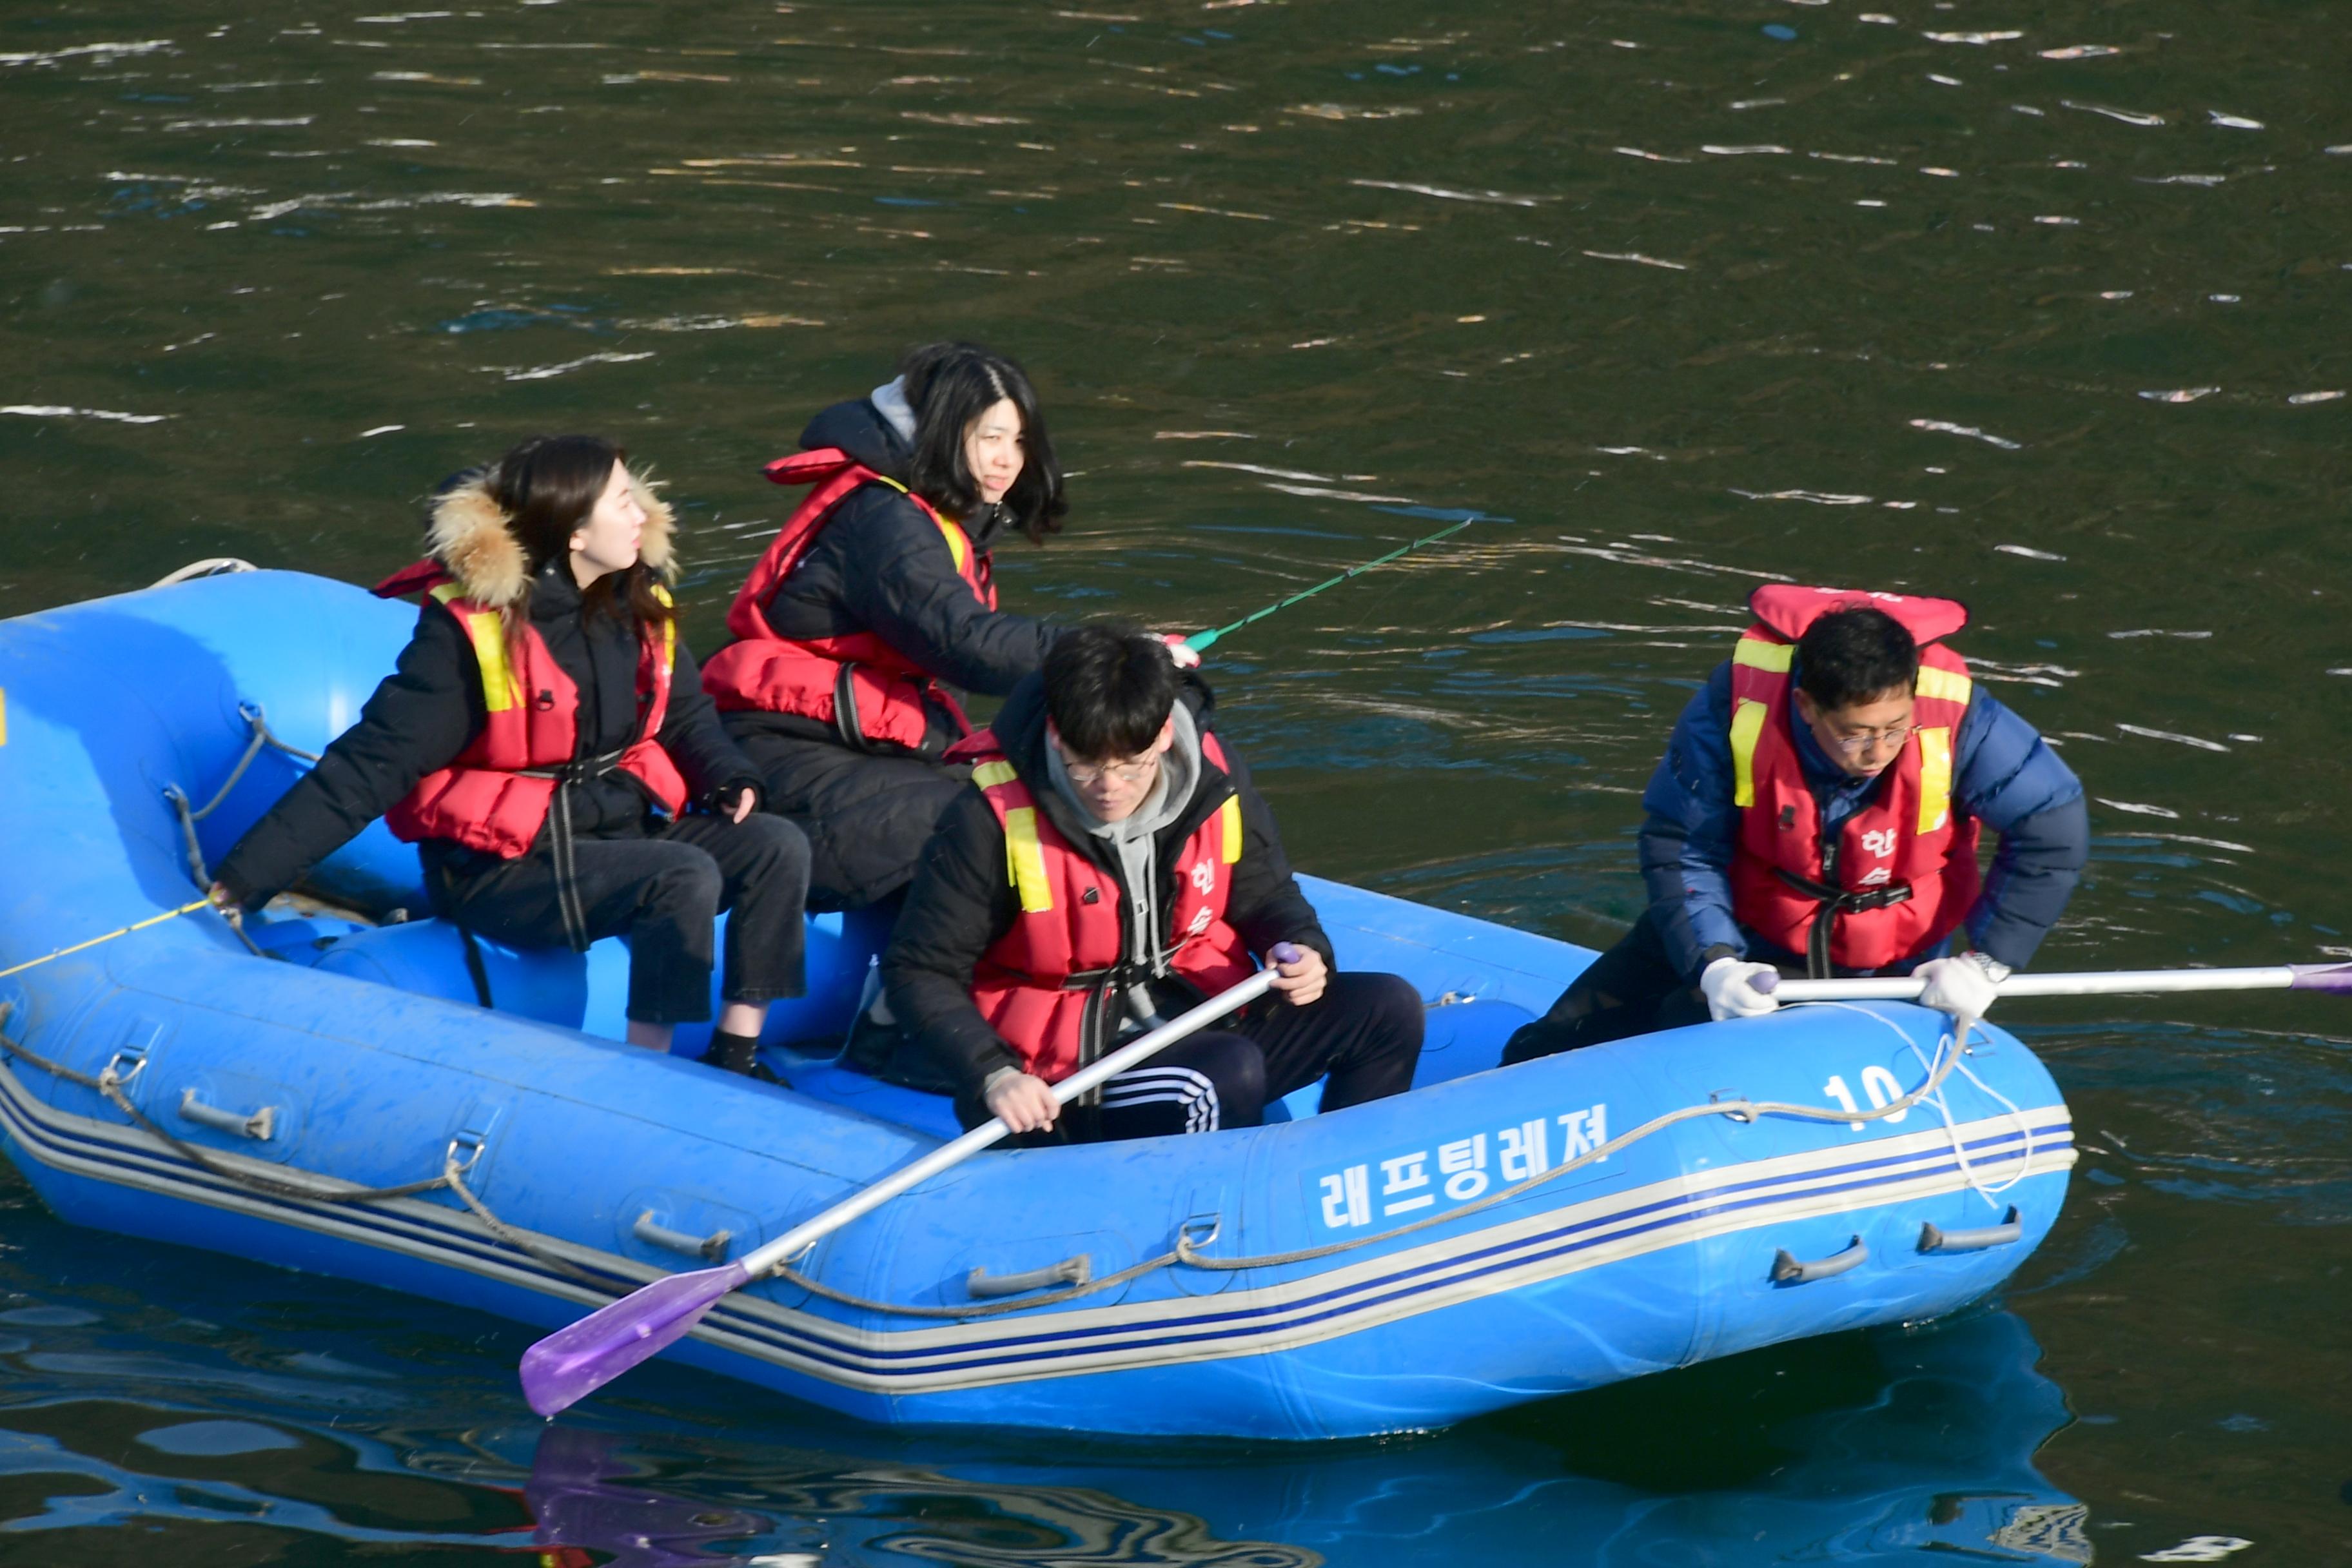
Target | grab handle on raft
(981,1285)
(256,1126)
(1932,1239)
(711,1248)
(1788,1270)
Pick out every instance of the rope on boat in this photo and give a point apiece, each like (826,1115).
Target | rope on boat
(1187,1253)
(328,1190)
(189,817)
(523,1241)
(211,566)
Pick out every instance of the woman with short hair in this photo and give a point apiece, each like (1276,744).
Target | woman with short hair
(540,741)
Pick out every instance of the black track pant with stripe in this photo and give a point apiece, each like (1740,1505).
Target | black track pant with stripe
(1364,1033)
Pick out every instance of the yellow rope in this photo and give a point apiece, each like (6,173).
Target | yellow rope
(139,925)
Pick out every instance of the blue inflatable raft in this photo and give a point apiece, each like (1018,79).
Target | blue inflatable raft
(340,1102)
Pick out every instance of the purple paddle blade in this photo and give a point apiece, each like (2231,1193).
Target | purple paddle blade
(2335,978)
(573,1363)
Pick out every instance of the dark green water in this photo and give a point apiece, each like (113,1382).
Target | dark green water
(2051,322)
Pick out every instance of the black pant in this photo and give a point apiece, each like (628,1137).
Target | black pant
(1364,1032)
(664,890)
(867,816)
(1631,989)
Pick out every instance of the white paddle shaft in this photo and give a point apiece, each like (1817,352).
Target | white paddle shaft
(2104,983)
(989,1131)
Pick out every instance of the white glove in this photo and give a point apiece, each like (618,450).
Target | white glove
(1185,655)
(1965,986)
(1729,987)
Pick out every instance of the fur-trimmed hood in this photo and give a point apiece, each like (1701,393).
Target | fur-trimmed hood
(468,533)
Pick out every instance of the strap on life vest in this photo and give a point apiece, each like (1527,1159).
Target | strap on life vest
(826,462)
(487,630)
(1837,902)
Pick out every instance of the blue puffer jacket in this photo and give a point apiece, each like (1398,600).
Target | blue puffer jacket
(2003,775)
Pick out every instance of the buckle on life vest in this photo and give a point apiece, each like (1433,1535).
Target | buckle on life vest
(1844,901)
(1833,902)
(584,770)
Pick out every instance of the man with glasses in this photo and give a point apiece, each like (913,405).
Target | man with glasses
(1110,867)
(1818,812)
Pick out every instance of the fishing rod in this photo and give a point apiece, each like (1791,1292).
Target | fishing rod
(1200,640)
(188,908)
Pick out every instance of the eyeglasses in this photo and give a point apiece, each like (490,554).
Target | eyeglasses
(1856,745)
(1117,773)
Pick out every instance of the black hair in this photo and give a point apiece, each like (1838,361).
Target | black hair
(1860,655)
(547,485)
(1108,689)
(948,385)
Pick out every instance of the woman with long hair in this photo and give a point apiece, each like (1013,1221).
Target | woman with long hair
(877,595)
(542,742)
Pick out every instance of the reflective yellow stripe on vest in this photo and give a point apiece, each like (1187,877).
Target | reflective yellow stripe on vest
(1025,860)
(1934,779)
(1229,828)
(1746,729)
(669,631)
(988,775)
(957,546)
(489,635)
(1949,684)
(1758,653)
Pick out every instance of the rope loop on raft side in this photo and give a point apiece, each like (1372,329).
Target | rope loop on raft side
(111,1083)
(190,816)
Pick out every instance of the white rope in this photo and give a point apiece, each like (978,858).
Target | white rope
(2024,1128)
(213,566)
(1949,1041)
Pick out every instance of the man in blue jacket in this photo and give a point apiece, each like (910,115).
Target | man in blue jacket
(1818,812)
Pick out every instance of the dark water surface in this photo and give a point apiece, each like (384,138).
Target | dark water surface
(2038,306)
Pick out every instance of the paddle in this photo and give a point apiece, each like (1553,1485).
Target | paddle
(1200,640)
(572,1363)
(2334,977)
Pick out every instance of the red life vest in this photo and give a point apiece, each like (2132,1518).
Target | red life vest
(871,693)
(495,795)
(1903,871)
(1052,986)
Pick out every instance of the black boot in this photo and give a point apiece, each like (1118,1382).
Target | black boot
(738,1054)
